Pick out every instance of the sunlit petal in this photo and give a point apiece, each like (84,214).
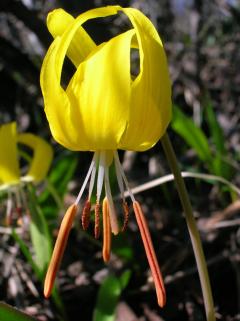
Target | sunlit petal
(100,94)
(58,21)
(150,109)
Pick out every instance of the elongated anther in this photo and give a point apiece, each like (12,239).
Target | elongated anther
(106,251)
(97,221)
(126,216)
(59,248)
(86,214)
(151,256)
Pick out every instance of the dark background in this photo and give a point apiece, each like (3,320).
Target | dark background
(202,42)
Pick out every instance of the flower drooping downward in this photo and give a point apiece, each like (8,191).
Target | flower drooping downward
(105,108)
(12,180)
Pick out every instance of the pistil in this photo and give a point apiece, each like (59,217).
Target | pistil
(106,251)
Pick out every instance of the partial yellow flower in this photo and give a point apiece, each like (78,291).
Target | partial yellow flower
(102,107)
(105,107)
(11,178)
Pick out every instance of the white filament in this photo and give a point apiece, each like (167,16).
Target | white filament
(119,171)
(120,181)
(101,170)
(93,175)
(86,180)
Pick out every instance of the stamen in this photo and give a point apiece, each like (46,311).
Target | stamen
(126,216)
(86,178)
(112,213)
(86,214)
(106,251)
(100,178)
(151,256)
(120,181)
(59,249)
(97,221)
(120,170)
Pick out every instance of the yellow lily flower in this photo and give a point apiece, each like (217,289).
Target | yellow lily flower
(104,108)
(11,179)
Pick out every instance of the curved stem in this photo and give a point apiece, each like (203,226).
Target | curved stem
(192,228)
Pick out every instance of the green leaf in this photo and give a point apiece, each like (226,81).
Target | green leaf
(124,279)
(219,165)
(60,176)
(192,134)
(39,231)
(108,297)
(8,313)
(215,130)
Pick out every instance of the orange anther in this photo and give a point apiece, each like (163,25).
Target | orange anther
(151,256)
(97,221)
(126,215)
(59,248)
(86,214)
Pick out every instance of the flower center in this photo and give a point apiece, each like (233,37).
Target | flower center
(98,174)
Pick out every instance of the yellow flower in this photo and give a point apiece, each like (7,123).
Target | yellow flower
(11,179)
(105,107)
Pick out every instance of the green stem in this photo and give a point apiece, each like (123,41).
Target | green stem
(192,228)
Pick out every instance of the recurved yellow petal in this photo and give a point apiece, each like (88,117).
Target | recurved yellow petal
(58,21)
(56,103)
(150,110)
(9,168)
(42,157)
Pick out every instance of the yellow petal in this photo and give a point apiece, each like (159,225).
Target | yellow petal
(58,21)
(9,168)
(99,93)
(42,156)
(56,102)
(150,110)
(64,126)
